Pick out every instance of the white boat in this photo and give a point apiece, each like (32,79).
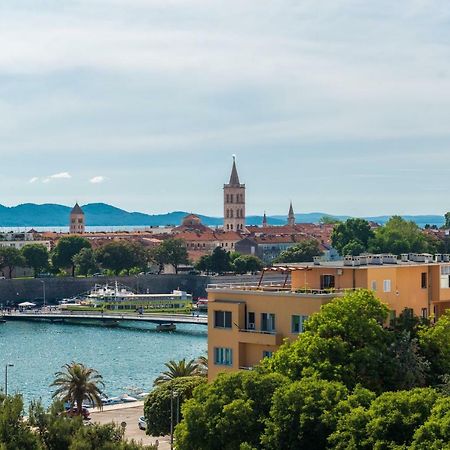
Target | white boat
(166,327)
(125,398)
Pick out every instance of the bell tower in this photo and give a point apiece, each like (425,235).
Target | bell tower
(291,216)
(77,223)
(234,202)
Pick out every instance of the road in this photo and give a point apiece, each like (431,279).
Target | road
(129,414)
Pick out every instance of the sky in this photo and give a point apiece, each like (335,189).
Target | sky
(342,106)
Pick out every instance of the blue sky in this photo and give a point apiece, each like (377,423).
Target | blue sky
(339,106)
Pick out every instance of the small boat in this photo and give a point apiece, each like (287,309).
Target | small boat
(2,320)
(125,398)
(166,327)
(142,395)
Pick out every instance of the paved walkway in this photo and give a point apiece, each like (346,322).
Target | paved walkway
(130,414)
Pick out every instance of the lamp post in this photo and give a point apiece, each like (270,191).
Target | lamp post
(6,377)
(43,289)
(172,394)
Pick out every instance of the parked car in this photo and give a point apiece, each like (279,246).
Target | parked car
(142,424)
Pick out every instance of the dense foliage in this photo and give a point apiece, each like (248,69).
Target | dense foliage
(66,249)
(302,252)
(158,402)
(348,382)
(51,429)
(35,256)
(221,261)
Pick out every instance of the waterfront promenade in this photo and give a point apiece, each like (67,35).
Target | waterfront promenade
(109,318)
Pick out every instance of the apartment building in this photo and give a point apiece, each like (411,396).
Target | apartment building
(247,323)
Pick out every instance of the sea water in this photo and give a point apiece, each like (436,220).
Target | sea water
(129,358)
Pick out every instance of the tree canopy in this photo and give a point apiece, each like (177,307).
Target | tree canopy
(352,236)
(171,251)
(36,256)
(302,252)
(66,248)
(11,257)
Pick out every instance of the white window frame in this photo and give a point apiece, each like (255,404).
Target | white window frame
(387,286)
(223,356)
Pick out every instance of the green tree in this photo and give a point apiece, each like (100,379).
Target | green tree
(204,264)
(228,413)
(303,415)
(434,434)
(36,256)
(15,433)
(220,260)
(302,252)
(401,236)
(355,231)
(177,369)
(447,220)
(11,258)
(66,248)
(117,256)
(434,342)
(388,423)
(157,403)
(345,341)
(77,383)
(329,220)
(246,263)
(85,262)
(171,251)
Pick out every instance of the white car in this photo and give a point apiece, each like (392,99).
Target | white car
(142,424)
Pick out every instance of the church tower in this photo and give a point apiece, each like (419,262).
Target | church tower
(234,202)
(291,216)
(264,223)
(77,223)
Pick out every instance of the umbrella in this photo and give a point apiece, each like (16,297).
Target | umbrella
(25,304)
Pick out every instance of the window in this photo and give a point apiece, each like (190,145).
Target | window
(424,280)
(222,319)
(425,313)
(223,356)
(251,320)
(387,286)
(297,323)
(267,354)
(268,322)
(373,285)
(327,281)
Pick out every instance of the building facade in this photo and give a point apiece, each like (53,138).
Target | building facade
(77,220)
(247,323)
(234,202)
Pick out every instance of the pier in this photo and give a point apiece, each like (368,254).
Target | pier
(106,319)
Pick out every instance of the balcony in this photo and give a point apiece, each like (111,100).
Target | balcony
(247,336)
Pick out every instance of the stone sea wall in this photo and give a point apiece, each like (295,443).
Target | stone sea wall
(16,290)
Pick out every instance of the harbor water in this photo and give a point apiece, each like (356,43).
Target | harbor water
(129,358)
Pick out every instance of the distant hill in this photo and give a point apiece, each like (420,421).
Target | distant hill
(101,214)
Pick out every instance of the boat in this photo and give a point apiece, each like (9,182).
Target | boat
(2,320)
(202,304)
(166,327)
(118,297)
(125,398)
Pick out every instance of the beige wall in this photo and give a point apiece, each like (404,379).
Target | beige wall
(248,346)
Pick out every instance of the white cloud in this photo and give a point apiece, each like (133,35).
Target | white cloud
(60,175)
(33,180)
(97,179)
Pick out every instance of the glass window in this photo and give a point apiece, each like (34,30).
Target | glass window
(297,323)
(251,320)
(387,286)
(424,313)
(327,282)
(373,285)
(267,354)
(268,322)
(424,280)
(222,319)
(223,356)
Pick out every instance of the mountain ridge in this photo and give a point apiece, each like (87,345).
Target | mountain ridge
(102,214)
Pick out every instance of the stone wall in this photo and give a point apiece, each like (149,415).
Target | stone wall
(16,290)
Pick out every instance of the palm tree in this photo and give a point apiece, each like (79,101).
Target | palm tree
(202,366)
(78,383)
(178,369)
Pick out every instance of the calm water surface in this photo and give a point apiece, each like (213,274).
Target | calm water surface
(126,357)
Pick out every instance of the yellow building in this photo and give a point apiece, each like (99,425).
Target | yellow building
(247,323)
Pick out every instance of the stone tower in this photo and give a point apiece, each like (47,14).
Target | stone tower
(291,216)
(77,223)
(264,223)
(234,202)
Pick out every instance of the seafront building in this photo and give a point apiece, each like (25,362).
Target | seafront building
(248,323)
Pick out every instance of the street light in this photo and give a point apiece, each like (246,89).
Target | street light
(6,377)
(172,394)
(43,288)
